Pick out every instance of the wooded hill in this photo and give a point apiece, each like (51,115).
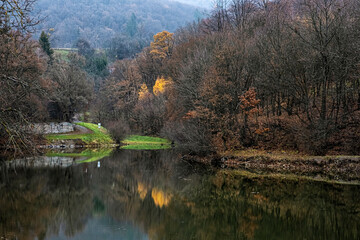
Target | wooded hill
(98,21)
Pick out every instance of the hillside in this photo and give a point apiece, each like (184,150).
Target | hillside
(100,20)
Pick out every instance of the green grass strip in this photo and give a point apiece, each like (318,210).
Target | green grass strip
(100,136)
(136,142)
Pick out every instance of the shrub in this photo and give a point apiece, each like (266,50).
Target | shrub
(118,129)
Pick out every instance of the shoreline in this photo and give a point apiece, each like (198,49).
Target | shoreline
(333,168)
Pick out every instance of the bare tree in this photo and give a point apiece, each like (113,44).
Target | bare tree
(16,15)
(21,67)
(73,88)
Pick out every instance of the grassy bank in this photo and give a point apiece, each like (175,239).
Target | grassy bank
(135,142)
(99,136)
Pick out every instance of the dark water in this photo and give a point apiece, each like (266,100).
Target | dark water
(154,195)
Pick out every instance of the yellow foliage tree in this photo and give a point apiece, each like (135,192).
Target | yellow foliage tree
(162,45)
(144,92)
(161,85)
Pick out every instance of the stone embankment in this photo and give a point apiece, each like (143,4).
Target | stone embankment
(52,128)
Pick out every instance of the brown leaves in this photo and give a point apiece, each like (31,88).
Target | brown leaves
(190,115)
(248,102)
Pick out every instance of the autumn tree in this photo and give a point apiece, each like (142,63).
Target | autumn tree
(149,67)
(162,45)
(249,107)
(143,92)
(118,97)
(149,112)
(161,85)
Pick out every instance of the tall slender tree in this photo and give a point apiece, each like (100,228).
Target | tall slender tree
(45,44)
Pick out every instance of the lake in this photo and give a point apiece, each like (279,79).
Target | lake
(156,195)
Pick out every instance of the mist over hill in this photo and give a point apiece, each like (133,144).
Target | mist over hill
(199,3)
(100,20)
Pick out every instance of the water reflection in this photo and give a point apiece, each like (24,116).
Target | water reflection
(62,158)
(160,197)
(153,195)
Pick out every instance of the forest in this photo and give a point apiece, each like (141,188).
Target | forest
(262,74)
(101,21)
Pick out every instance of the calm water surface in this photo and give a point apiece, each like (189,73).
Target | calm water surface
(154,195)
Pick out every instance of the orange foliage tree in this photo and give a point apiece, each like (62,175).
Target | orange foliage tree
(215,109)
(162,46)
(249,105)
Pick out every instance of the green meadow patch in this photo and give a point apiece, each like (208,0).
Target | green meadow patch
(64,52)
(136,142)
(99,136)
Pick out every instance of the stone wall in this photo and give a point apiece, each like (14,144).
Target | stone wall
(51,128)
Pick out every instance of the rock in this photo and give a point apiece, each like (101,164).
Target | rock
(318,161)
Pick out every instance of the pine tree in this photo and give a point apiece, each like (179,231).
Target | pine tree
(45,44)
(132,26)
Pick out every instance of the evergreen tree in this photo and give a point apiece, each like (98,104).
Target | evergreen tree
(131,27)
(45,44)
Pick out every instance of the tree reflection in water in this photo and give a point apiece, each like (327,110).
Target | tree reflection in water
(153,195)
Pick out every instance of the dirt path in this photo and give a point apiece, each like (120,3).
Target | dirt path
(81,130)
